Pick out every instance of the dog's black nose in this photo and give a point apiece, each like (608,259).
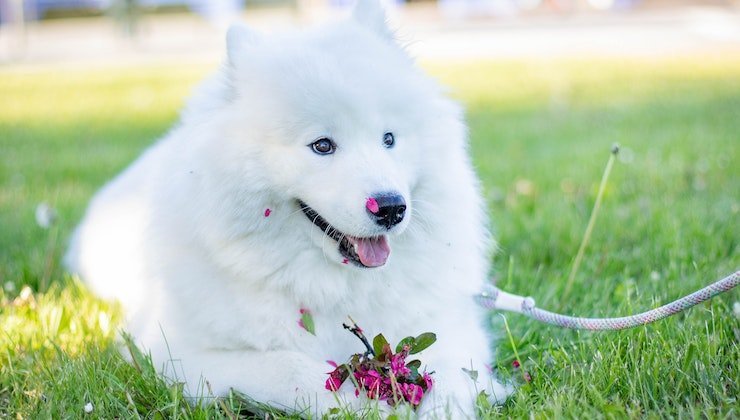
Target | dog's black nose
(387,209)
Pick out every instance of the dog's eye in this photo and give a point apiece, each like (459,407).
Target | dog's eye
(388,140)
(323,146)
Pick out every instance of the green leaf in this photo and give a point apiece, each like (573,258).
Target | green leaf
(307,321)
(355,360)
(422,342)
(378,343)
(483,404)
(344,369)
(406,341)
(176,390)
(472,373)
(414,364)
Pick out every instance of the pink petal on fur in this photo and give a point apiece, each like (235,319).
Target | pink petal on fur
(372,205)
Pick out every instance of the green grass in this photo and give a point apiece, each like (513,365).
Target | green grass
(541,134)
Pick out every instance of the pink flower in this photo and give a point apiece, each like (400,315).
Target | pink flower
(267,212)
(398,365)
(335,380)
(369,379)
(374,384)
(516,364)
(383,392)
(428,381)
(332,363)
(332,384)
(412,393)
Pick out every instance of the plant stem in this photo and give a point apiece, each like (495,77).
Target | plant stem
(357,331)
(591,222)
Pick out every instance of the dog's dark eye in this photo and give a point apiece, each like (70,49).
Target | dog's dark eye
(388,140)
(323,146)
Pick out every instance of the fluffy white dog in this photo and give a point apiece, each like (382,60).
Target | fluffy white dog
(319,170)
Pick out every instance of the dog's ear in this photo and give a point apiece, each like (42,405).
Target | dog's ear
(370,14)
(238,40)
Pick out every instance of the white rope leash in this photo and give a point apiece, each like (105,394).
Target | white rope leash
(494,298)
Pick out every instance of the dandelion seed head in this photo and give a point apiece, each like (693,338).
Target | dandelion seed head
(45,215)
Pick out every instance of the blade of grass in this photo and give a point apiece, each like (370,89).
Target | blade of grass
(591,223)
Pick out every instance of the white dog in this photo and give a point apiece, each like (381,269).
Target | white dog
(320,170)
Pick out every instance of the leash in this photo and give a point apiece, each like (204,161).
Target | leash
(494,298)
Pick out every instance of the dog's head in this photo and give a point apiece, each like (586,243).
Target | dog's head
(341,121)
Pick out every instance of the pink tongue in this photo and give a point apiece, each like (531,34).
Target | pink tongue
(373,252)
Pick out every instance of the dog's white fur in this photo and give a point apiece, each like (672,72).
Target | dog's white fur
(213,288)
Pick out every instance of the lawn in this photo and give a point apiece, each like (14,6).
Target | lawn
(541,133)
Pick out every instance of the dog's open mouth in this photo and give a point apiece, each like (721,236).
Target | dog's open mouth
(362,252)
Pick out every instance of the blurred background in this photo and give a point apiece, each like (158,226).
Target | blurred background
(129,31)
